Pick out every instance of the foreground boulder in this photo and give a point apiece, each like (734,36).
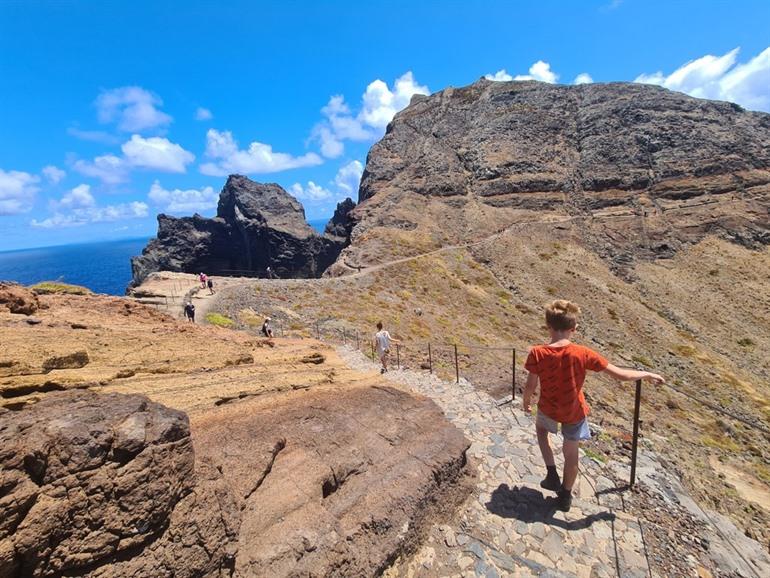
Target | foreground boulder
(88,478)
(337,482)
(257,226)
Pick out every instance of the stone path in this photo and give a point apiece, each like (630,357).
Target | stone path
(509,527)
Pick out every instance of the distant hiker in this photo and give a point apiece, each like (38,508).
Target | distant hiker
(560,368)
(203,279)
(267,328)
(382,341)
(271,274)
(210,284)
(189,312)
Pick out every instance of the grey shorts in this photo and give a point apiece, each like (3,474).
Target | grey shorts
(576,432)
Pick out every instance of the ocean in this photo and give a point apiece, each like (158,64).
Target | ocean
(102,267)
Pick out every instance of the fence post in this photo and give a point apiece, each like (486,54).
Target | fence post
(318,331)
(430,359)
(457,366)
(398,356)
(358,343)
(344,337)
(513,374)
(372,350)
(635,439)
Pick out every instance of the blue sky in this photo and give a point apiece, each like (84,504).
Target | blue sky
(111,112)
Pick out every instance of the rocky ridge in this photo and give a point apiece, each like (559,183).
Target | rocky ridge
(631,171)
(256,226)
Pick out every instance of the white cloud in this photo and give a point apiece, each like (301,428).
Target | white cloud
(538,71)
(179,201)
(78,198)
(203,114)
(349,177)
(53,174)
(156,153)
(379,104)
(583,78)
(312,192)
(718,77)
(109,168)
(499,76)
(17,191)
(78,207)
(345,185)
(258,158)
(133,108)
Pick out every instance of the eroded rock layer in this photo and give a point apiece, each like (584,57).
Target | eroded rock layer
(635,171)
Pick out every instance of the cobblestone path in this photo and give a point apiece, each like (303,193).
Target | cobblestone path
(509,527)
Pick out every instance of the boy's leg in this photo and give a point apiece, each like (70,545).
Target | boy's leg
(570,450)
(551,481)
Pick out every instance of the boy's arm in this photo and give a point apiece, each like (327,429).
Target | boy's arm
(632,374)
(529,389)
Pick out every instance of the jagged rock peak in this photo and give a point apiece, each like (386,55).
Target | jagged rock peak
(341,224)
(267,203)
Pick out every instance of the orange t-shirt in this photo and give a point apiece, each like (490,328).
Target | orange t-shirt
(562,371)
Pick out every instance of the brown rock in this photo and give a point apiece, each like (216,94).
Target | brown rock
(87,477)
(16,298)
(74,360)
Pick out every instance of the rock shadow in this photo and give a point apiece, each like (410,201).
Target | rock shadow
(529,505)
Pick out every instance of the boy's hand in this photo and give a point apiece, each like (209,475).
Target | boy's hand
(654,378)
(526,405)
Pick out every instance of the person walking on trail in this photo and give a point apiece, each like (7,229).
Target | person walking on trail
(271,274)
(560,369)
(189,312)
(267,328)
(210,284)
(202,278)
(382,341)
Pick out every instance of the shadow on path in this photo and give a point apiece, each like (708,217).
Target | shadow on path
(528,505)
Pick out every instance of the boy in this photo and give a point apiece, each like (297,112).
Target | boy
(560,367)
(382,341)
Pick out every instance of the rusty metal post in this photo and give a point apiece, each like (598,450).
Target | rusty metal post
(398,356)
(513,374)
(457,366)
(372,350)
(635,439)
(430,359)
(358,342)
(318,331)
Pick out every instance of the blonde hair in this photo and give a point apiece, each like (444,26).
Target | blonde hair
(561,315)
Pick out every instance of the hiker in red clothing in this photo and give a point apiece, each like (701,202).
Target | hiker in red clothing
(560,368)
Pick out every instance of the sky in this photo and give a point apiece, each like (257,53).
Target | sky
(114,111)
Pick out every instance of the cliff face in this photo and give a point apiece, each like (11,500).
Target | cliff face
(257,226)
(634,171)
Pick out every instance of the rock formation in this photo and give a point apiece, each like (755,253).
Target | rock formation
(634,171)
(16,298)
(257,226)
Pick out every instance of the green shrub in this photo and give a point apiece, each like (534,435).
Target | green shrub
(746,342)
(219,320)
(50,287)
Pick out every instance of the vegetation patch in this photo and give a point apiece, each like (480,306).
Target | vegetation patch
(642,360)
(55,287)
(219,320)
(746,342)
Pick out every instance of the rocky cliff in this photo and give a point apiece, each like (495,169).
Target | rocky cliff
(256,226)
(633,171)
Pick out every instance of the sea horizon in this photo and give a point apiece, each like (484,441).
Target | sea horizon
(101,266)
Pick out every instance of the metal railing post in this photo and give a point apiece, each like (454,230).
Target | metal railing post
(358,343)
(398,356)
(318,331)
(513,374)
(457,366)
(344,337)
(430,359)
(635,439)
(372,350)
